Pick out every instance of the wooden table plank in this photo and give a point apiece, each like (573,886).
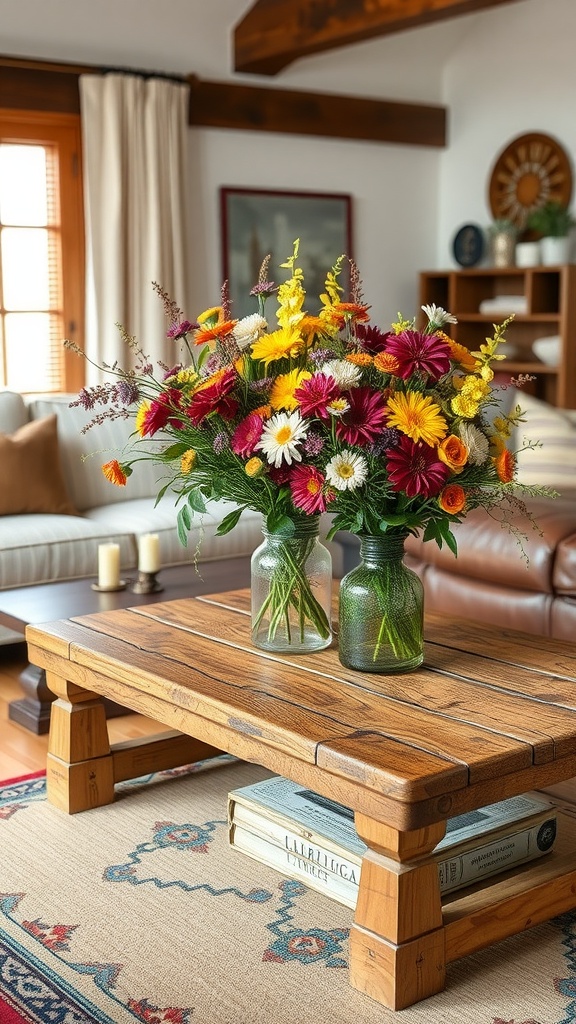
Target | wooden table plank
(553,657)
(485,751)
(550,735)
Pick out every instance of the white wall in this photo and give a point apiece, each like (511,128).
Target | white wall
(393,192)
(513,72)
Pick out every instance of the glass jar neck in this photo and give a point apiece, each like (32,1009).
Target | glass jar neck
(383,548)
(306,529)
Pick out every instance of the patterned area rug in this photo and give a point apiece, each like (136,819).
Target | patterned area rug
(140,912)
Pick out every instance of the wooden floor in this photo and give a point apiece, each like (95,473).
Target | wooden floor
(21,752)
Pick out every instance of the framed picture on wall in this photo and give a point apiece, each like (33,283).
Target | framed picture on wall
(256,222)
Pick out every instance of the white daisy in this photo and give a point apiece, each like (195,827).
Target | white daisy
(347,471)
(249,329)
(338,407)
(438,316)
(281,436)
(346,374)
(476,443)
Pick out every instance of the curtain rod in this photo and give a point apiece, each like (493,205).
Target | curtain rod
(31,64)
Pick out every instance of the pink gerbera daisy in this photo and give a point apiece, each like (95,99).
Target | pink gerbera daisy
(414,467)
(364,417)
(426,354)
(315,395)
(246,436)
(307,486)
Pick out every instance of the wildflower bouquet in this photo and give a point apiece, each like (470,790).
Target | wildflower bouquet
(320,411)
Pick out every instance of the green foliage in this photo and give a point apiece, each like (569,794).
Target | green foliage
(552,220)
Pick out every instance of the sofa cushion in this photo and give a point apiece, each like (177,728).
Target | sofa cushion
(43,548)
(13,412)
(488,551)
(84,453)
(554,463)
(140,516)
(31,470)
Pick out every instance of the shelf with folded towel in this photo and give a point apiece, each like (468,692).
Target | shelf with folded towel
(542,303)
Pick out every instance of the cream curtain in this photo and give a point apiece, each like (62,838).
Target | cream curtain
(134,149)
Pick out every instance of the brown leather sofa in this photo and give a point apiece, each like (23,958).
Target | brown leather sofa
(491,581)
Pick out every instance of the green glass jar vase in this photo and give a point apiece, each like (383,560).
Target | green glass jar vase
(381,613)
(291,590)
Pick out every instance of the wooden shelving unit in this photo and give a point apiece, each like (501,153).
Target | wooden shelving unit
(550,294)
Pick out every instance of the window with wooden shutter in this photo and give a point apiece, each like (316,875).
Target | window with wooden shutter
(41,251)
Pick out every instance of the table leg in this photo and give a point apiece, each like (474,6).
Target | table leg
(79,767)
(397,951)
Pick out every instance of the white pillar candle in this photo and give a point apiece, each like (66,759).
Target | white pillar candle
(108,565)
(149,553)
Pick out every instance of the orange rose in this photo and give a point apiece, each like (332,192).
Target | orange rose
(452,499)
(454,453)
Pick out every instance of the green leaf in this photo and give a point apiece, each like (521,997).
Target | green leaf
(175,451)
(279,521)
(204,353)
(229,522)
(196,501)
(183,522)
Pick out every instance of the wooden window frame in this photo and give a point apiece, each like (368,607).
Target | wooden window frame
(63,131)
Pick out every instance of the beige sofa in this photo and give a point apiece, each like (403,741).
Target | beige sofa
(44,477)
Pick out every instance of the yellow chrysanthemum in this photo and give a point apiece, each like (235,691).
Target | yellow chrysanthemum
(281,343)
(475,388)
(311,325)
(464,406)
(140,417)
(283,388)
(188,461)
(417,416)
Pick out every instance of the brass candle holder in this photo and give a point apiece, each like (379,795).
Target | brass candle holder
(146,583)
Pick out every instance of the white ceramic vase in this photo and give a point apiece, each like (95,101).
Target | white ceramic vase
(555,251)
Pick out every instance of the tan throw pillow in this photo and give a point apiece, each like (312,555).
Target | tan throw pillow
(31,478)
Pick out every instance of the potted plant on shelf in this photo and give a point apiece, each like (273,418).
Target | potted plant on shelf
(502,237)
(553,222)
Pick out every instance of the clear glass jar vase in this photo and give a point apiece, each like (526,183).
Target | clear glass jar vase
(381,612)
(291,590)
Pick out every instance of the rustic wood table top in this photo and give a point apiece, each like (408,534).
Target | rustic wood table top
(489,715)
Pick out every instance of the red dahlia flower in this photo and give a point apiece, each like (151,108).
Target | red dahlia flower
(364,418)
(315,395)
(162,411)
(419,353)
(414,467)
(372,339)
(214,398)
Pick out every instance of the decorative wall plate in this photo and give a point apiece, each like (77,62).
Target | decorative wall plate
(529,172)
(468,245)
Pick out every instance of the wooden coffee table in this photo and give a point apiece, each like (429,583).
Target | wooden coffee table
(62,598)
(491,714)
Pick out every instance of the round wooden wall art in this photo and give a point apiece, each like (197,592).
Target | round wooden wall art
(532,170)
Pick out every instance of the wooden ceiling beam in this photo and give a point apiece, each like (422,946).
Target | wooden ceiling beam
(274,33)
(230,105)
